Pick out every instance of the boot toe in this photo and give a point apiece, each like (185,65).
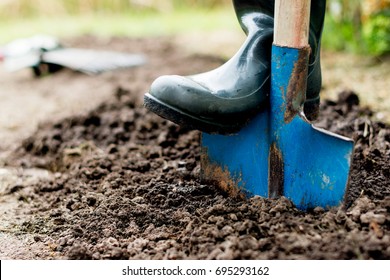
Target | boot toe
(181,93)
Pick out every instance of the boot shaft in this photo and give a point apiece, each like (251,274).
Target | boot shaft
(266,8)
(254,14)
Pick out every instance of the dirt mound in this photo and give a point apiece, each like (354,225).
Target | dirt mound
(127,186)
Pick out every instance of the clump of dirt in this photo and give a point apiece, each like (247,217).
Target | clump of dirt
(127,186)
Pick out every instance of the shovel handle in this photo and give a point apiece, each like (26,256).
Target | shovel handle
(290,55)
(292,19)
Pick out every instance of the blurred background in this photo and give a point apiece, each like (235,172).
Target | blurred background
(358,26)
(356,37)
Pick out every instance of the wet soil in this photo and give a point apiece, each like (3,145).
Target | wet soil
(118,182)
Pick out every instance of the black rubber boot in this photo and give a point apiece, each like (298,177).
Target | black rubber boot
(223,100)
(314,79)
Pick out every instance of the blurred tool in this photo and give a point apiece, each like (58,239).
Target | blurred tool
(44,54)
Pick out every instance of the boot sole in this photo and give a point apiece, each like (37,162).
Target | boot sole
(189,121)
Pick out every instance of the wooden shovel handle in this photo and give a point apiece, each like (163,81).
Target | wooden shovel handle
(292,19)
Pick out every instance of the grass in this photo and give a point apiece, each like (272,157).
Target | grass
(134,24)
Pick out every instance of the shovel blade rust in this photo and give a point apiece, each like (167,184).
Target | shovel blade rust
(238,163)
(279,153)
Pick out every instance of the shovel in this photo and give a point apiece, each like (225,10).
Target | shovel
(280,153)
(40,51)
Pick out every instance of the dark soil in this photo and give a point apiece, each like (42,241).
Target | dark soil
(127,186)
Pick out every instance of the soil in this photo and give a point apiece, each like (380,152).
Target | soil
(118,182)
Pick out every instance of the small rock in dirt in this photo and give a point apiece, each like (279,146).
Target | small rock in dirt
(283,205)
(137,245)
(138,200)
(372,217)
(341,216)
(233,217)
(362,205)
(227,230)
(111,241)
(79,252)
(227,255)
(318,210)
(218,220)
(215,253)
(248,242)
(350,224)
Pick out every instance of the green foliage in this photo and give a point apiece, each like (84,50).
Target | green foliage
(376,32)
(134,24)
(346,31)
(36,8)
(61,18)
(342,26)
(341,36)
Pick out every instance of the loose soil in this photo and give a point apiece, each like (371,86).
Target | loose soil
(118,182)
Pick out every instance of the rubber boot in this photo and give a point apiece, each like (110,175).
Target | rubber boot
(224,100)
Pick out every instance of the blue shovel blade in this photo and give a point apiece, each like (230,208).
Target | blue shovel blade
(316,162)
